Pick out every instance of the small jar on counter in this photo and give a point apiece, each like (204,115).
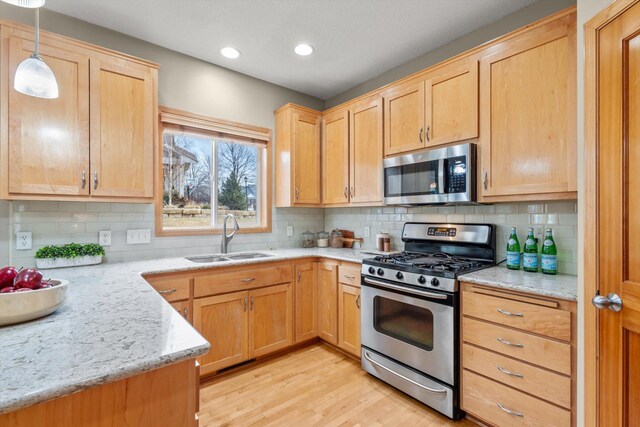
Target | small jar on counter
(323,239)
(308,239)
(383,241)
(335,239)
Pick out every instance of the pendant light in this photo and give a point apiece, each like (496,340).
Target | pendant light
(34,77)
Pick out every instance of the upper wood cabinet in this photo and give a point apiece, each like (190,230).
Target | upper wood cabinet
(297,156)
(528,115)
(95,141)
(404,118)
(335,158)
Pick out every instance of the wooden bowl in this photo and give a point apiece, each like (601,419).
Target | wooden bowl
(17,307)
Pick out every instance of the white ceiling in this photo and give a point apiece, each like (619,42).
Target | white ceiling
(354,40)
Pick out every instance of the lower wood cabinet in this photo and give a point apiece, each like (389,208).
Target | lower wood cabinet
(270,319)
(306,297)
(328,302)
(184,308)
(349,318)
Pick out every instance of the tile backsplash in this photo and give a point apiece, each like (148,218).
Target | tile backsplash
(65,222)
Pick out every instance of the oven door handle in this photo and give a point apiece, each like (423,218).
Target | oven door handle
(403,289)
(424,387)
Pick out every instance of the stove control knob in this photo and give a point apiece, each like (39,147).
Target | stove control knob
(435,282)
(372,270)
(399,276)
(422,280)
(380,272)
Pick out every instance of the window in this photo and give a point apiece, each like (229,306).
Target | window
(210,168)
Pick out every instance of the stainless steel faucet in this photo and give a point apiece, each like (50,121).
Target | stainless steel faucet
(226,238)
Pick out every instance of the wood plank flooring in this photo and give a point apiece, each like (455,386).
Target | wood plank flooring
(312,386)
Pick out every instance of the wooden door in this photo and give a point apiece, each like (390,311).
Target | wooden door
(528,114)
(451,104)
(618,217)
(335,158)
(306,302)
(349,319)
(328,302)
(306,158)
(404,118)
(184,308)
(366,148)
(270,319)
(48,145)
(123,123)
(223,321)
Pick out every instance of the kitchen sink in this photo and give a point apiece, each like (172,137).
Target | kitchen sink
(249,255)
(207,258)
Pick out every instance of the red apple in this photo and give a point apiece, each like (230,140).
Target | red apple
(7,290)
(7,276)
(28,278)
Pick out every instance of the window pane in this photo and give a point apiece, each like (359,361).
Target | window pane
(237,172)
(186,180)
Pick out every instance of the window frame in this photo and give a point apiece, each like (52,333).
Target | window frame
(208,126)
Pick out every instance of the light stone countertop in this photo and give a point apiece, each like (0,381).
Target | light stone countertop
(112,326)
(563,286)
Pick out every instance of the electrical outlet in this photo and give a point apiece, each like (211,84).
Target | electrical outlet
(289,230)
(138,236)
(367,231)
(24,240)
(104,237)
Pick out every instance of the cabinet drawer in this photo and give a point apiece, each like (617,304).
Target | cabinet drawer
(543,352)
(172,288)
(213,283)
(349,275)
(546,385)
(541,320)
(481,397)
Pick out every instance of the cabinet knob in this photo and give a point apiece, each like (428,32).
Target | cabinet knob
(346,189)
(420,134)
(358,301)
(84,179)
(485,179)
(95,180)
(427,133)
(297,193)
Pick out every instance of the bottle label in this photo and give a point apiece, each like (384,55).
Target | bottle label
(530,260)
(530,242)
(512,242)
(550,262)
(548,242)
(513,259)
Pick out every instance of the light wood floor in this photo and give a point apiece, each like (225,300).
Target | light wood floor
(313,386)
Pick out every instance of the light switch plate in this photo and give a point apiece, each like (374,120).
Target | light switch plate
(104,237)
(24,240)
(138,236)
(367,231)
(289,230)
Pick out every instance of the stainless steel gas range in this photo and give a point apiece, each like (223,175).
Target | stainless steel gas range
(410,319)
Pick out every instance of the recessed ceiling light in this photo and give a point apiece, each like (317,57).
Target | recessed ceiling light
(230,52)
(303,49)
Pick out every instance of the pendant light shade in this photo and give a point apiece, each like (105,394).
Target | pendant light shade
(34,77)
(26,3)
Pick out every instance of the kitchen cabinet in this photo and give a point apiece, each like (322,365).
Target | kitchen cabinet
(349,318)
(270,319)
(297,156)
(518,351)
(528,115)
(404,118)
(93,143)
(328,302)
(306,296)
(335,158)
(185,310)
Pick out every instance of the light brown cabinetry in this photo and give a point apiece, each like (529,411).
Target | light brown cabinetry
(349,318)
(328,302)
(404,118)
(518,358)
(95,141)
(185,309)
(270,319)
(528,114)
(306,297)
(335,158)
(297,156)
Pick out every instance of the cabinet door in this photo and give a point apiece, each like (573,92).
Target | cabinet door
(306,302)
(223,321)
(270,319)
(48,145)
(306,158)
(349,319)
(528,114)
(366,152)
(328,302)
(404,119)
(335,158)
(184,308)
(123,117)
(451,99)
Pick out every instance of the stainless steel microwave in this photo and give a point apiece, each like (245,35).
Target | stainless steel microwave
(431,176)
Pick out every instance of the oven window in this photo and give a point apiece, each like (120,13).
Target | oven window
(412,180)
(405,322)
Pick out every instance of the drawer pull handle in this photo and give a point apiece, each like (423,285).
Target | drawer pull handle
(167,292)
(513,374)
(251,304)
(509,411)
(510,343)
(508,313)
(245,303)
(350,277)
(248,280)
(424,387)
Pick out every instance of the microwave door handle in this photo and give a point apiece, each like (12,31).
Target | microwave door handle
(441,189)
(404,289)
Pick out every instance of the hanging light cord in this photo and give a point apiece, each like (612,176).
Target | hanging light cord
(36,51)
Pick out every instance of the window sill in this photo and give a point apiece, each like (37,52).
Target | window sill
(209,231)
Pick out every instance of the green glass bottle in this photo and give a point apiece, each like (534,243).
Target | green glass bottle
(549,254)
(513,251)
(530,256)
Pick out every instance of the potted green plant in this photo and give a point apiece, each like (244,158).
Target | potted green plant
(69,255)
